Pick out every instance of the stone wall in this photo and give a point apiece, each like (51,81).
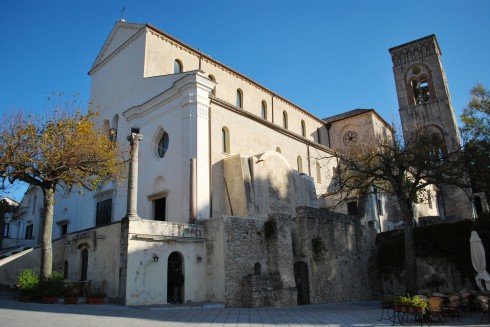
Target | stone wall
(260,255)
(338,249)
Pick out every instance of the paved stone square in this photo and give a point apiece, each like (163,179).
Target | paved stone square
(359,314)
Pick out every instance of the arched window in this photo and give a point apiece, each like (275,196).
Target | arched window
(318,173)
(211,77)
(285,119)
(239,99)
(225,140)
(163,145)
(278,150)
(300,164)
(303,128)
(263,110)
(178,67)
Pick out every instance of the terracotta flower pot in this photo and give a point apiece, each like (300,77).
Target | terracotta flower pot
(24,298)
(70,300)
(95,300)
(50,299)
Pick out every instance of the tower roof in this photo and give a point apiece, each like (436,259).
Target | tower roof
(431,37)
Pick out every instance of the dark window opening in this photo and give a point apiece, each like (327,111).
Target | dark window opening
(103,212)
(163,145)
(29,229)
(159,206)
(64,229)
(257,269)
(352,208)
(65,270)
(478,205)
(380,207)
(6,230)
(421,91)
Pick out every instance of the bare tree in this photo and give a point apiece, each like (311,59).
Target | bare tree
(400,168)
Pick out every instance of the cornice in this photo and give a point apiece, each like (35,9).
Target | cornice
(192,78)
(216,63)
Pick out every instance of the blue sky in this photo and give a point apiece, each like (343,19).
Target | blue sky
(325,56)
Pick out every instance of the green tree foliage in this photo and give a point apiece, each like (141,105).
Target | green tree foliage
(476,115)
(476,136)
(60,150)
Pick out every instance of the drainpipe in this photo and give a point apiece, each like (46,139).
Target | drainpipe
(328,126)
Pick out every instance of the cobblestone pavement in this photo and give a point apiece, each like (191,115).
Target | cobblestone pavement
(359,314)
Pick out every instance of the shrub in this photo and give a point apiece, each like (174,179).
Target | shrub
(53,285)
(28,282)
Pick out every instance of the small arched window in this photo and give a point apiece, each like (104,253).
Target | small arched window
(303,128)
(285,119)
(225,134)
(263,110)
(163,145)
(178,67)
(239,99)
(211,77)
(318,173)
(300,164)
(278,150)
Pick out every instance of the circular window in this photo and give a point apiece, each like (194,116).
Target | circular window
(350,138)
(163,145)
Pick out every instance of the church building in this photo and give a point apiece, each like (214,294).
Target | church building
(230,181)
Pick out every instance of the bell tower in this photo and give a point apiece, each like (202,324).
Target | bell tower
(424,102)
(422,90)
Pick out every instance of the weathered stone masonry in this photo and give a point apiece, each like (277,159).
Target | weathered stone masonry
(259,265)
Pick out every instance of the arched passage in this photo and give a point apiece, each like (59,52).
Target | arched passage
(175,279)
(302,284)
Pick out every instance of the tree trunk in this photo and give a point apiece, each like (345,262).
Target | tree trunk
(410,257)
(47,234)
(2,225)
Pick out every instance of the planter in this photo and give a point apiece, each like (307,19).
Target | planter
(50,299)
(95,300)
(70,300)
(24,298)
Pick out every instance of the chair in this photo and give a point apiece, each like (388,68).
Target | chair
(465,302)
(485,307)
(435,309)
(452,307)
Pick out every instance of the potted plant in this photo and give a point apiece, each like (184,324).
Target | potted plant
(419,304)
(27,284)
(52,288)
(72,291)
(95,293)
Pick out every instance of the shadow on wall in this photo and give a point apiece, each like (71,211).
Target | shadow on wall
(262,184)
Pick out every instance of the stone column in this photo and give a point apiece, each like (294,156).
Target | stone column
(134,140)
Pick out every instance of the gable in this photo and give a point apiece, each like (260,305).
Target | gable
(119,35)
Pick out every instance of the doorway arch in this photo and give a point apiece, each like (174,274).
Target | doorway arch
(302,284)
(174,270)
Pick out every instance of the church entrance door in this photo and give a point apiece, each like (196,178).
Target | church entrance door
(84,270)
(301,279)
(175,280)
